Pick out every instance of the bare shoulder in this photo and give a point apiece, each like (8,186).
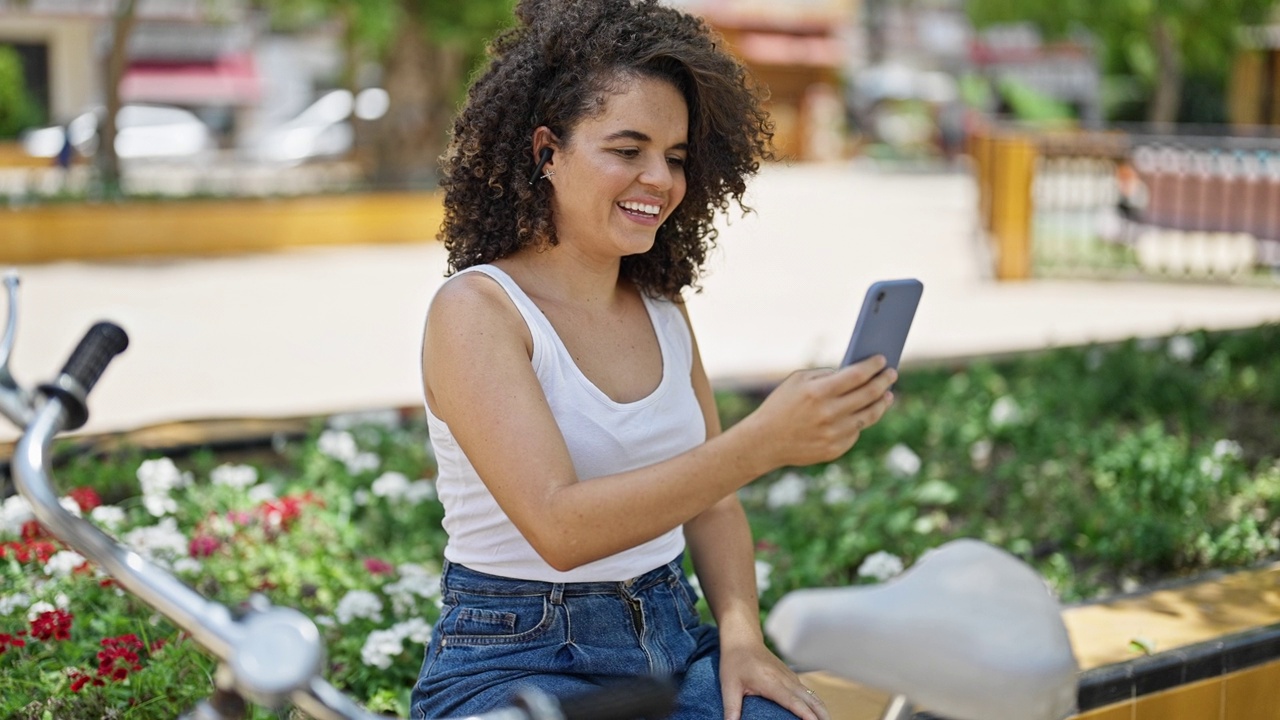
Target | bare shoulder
(473,303)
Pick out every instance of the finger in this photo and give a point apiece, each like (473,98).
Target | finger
(856,375)
(732,699)
(868,394)
(819,707)
(802,704)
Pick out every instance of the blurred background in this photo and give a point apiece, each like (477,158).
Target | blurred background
(1056,171)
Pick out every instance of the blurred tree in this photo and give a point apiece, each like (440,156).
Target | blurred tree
(426,50)
(1160,42)
(105,159)
(18,110)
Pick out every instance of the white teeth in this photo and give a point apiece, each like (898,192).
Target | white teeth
(641,207)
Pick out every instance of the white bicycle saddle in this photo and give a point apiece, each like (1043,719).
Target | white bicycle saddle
(969,632)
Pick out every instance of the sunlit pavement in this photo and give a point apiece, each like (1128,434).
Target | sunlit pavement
(320,331)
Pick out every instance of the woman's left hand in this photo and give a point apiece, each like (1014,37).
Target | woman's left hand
(749,668)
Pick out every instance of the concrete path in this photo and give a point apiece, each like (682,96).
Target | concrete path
(321,331)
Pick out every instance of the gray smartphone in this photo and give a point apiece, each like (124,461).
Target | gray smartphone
(885,320)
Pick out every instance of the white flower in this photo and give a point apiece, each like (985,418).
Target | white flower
(159,504)
(414,629)
(415,583)
(390,485)
(261,492)
(38,609)
(69,504)
(787,491)
(837,495)
(1005,412)
(109,516)
(902,461)
(763,572)
(161,542)
(880,565)
(980,453)
(239,477)
(63,563)
(62,601)
(1228,449)
(325,621)
(161,476)
(380,647)
(15,512)
(420,491)
(1181,348)
(9,603)
(360,497)
(363,462)
(337,444)
(187,566)
(358,604)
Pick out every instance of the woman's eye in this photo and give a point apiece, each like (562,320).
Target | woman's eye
(675,161)
(628,152)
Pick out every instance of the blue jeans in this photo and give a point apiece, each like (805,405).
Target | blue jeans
(497,634)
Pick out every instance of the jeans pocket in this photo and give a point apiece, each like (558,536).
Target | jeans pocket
(495,620)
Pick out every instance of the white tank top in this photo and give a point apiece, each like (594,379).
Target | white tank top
(604,438)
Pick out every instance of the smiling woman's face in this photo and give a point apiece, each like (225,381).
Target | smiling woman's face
(620,175)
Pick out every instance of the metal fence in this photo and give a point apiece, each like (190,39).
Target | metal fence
(1126,204)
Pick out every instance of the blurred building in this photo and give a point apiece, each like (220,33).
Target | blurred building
(212,57)
(1065,71)
(800,50)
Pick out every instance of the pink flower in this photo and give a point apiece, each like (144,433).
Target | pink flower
(203,546)
(378,567)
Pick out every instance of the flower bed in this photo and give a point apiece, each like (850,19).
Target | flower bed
(1107,468)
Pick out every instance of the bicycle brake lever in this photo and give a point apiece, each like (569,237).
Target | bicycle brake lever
(16,403)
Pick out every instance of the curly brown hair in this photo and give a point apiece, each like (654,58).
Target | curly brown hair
(556,67)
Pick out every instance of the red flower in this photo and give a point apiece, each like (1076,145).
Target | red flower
(52,624)
(87,498)
(33,530)
(119,656)
(283,511)
(24,550)
(7,641)
(80,679)
(203,546)
(378,567)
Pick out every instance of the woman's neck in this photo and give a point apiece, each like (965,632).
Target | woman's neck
(561,274)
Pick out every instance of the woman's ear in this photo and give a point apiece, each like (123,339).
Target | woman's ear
(545,144)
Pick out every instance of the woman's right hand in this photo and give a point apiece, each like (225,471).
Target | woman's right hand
(817,415)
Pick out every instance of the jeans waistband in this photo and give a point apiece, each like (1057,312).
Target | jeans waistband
(460,578)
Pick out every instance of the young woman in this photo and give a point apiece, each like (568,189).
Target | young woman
(577,439)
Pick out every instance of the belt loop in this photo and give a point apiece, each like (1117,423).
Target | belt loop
(557,593)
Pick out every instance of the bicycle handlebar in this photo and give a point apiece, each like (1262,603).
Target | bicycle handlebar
(268,654)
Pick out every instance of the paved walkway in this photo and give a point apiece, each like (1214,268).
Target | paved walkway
(321,331)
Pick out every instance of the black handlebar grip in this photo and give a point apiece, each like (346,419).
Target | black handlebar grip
(98,348)
(641,698)
(87,362)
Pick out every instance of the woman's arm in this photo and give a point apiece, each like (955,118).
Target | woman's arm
(479,380)
(723,555)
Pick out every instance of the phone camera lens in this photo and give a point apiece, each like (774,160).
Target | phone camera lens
(880,296)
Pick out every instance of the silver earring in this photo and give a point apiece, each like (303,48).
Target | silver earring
(548,174)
